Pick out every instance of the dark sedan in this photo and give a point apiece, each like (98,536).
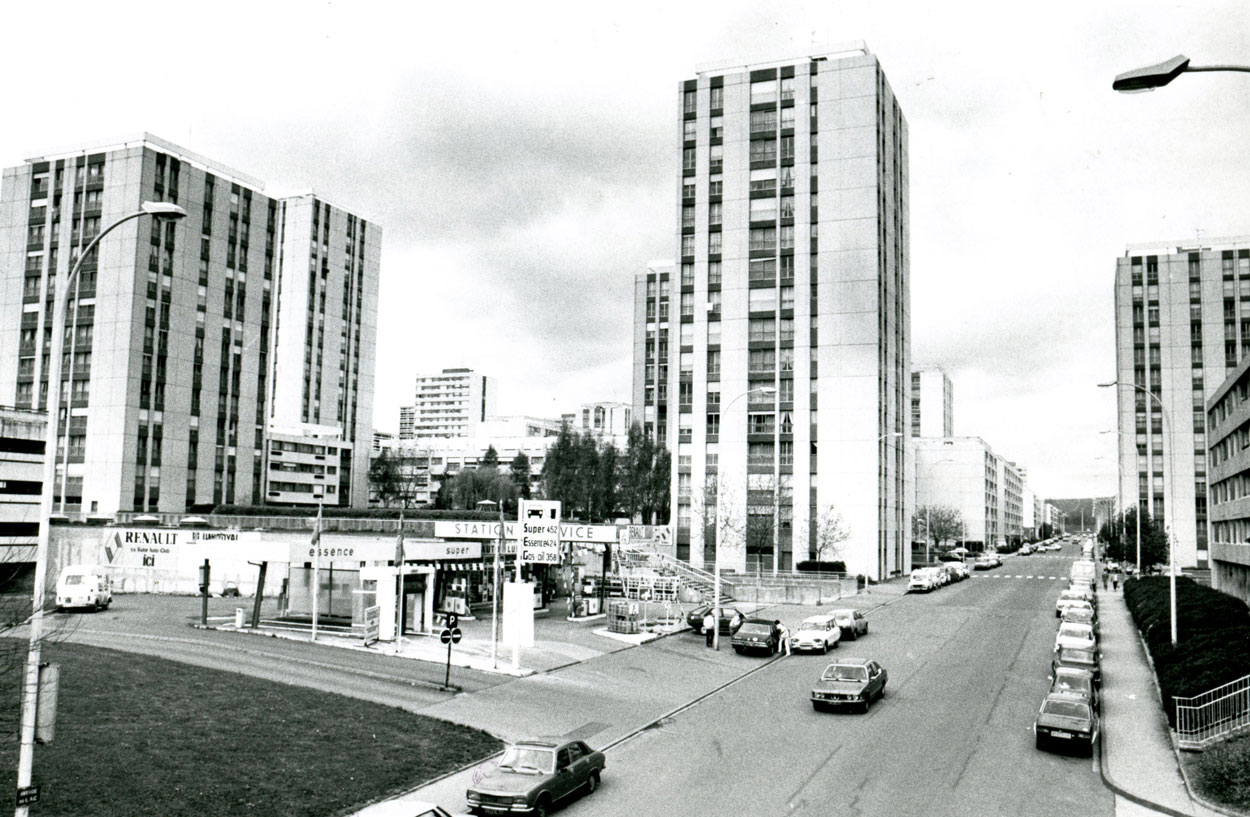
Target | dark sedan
(1065,721)
(757,635)
(1076,682)
(534,775)
(730,618)
(849,682)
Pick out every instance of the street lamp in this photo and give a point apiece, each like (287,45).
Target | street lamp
(928,530)
(1120,500)
(52,405)
(1156,76)
(319,493)
(494,586)
(716,554)
(1171,455)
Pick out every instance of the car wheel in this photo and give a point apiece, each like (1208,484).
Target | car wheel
(865,630)
(1038,743)
(816,705)
(542,807)
(738,650)
(824,647)
(592,783)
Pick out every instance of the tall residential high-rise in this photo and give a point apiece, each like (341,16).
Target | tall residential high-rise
(932,403)
(1182,315)
(451,403)
(780,379)
(187,339)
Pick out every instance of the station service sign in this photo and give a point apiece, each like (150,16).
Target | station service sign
(489,531)
(540,531)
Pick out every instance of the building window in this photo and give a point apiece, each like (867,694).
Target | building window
(713,273)
(714,185)
(764,180)
(716,158)
(714,213)
(716,126)
(765,91)
(713,243)
(688,102)
(763,121)
(764,238)
(717,98)
(688,129)
(764,150)
(688,159)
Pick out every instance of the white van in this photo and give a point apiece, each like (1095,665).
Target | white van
(84,586)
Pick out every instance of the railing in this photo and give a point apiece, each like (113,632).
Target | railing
(1211,716)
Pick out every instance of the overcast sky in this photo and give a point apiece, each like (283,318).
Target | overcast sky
(521,161)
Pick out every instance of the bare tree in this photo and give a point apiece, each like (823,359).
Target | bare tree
(939,522)
(831,532)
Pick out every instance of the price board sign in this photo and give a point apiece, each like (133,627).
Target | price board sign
(540,532)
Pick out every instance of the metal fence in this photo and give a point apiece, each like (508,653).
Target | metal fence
(1211,716)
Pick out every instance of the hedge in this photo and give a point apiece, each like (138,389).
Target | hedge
(1212,635)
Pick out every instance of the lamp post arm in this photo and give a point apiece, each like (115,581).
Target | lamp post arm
(1244,69)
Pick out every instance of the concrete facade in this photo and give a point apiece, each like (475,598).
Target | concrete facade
(1228,443)
(932,403)
(22,435)
(1182,312)
(173,364)
(449,404)
(793,276)
(964,473)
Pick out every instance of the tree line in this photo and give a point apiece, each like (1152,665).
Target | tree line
(593,480)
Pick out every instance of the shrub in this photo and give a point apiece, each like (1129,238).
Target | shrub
(811,566)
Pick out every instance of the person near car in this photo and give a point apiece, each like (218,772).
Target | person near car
(783,637)
(709,626)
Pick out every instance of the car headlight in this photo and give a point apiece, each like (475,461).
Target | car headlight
(520,799)
(471,795)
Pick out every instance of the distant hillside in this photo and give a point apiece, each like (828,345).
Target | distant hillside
(1075,507)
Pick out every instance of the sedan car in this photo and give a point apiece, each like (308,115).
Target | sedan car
(816,633)
(757,635)
(1066,720)
(1081,615)
(849,682)
(962,571)
(1077,659)
(1078,636)
(534,775)
(730,618)
(1070,599)
(1077,682)
(852,622)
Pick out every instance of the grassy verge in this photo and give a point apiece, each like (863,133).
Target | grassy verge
(1222,773)
(139,736)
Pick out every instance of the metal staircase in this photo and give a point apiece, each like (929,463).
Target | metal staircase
(686,575)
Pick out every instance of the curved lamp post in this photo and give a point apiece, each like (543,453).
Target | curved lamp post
(1156,76)
(716,554)
(1167,434)
(52,406)
(1120,501)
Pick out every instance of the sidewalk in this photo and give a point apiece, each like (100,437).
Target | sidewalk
(1138,761)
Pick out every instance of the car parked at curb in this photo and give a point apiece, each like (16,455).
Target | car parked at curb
(1081,615)
(853,623)
(1077,659)
(1075,681)
(816,633)
(534,775)
(962,571)
(757,635)
(1070,598)
(1078,636)
(1066,720)
(730,618)
(849,682)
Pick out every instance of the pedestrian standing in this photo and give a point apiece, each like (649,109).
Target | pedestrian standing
(783,638)
(709,626)
(1115,581)
(1104,578)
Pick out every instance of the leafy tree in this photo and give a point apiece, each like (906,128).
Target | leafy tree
(587,475)
(1046,530)
(520,473)
(385,478)
(607,481)
(467,488)
(560,468)
(1122,543)
(658,498)
(490,459)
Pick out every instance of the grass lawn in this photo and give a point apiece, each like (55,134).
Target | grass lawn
(1222,773)
(138,736)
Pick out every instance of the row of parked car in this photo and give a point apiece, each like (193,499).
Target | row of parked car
(817,633)
(1069,715)
(927,579)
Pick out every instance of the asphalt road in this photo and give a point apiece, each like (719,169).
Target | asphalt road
(968,669)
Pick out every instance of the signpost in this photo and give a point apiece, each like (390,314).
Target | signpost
(373,621)
(450,635)
(540,533)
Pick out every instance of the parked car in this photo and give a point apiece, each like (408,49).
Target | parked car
(962,571)
(1066,720)
(1078,636)
(1081,615)
(984,562)
(1076,681)
(852,622)
(757,634)
(849,682)
(730,618)
(1025,550)
(534,775)
(1078,659)
(1072,598)
(922,580)
(84,586)
(817,633)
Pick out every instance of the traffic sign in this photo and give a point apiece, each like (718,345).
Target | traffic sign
(455,635)
(28,796)
(445,636)
(452,620)
(540,532)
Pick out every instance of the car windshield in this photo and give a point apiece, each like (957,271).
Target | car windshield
(1075,631)
(841,615)
(1078,681)
(1066,709)
(844,672)
(754,629)
(533,758)
(73,578)
(1077,656)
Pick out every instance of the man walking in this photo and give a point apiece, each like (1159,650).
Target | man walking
(1115,581)
(709,626)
